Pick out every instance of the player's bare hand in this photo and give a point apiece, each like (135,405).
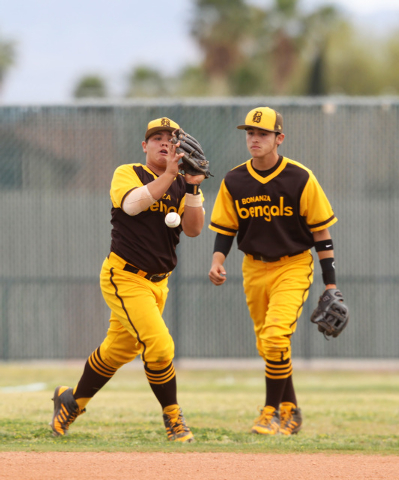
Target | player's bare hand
(172,160)
(217,274)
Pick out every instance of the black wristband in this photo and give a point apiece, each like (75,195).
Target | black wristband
(193,188)
(323,245)
(328,270)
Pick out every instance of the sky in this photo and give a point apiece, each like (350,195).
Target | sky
(59,42)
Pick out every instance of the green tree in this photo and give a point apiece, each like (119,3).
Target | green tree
(146,82)
(277,50)
(192,82)
(355,64)
(246,81)
(391,67)
(91,86)
(317,82)
(321,26)
(7,57)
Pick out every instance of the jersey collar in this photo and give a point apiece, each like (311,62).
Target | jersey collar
(267,179)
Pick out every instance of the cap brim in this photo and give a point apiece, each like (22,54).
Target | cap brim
(244,127)
(153,130)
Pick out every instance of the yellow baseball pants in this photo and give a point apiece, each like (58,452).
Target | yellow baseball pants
(136,323)
(275,294)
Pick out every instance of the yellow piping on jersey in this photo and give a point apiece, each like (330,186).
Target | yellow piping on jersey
(269,177)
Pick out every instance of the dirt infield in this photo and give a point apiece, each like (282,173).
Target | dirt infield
(194,466)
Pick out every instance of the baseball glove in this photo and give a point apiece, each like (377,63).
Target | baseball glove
(193,161)
(331,314)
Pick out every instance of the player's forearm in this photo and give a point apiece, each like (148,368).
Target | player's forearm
(325,252)
(218,258)
(158,187)
(141,198)
(193,220)
(323,236)
(223,244)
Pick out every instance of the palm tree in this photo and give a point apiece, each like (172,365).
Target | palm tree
(298,38)
(220,27)
(250,50)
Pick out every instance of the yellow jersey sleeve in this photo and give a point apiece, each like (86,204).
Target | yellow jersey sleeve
(124,180)
(224,218)
(315,207)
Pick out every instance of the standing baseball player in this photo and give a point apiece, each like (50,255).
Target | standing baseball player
(278,211)
(134,278)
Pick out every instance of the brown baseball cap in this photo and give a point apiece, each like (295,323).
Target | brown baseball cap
(264,118)
(160,124)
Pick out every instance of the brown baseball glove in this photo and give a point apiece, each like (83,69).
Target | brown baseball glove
(193,162)
(331,314)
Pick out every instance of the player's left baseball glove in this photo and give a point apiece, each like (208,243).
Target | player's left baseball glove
(331,314)
(193,162)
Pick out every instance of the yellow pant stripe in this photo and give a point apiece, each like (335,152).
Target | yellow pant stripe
(164,380)
(99,366)
(159,373)
(279,377)
(159,378)
(164,371)
(278,371)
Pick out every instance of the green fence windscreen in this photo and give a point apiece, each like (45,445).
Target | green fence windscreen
(56,165)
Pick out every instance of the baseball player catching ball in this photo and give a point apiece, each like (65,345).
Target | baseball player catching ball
(134,277)
(278,211)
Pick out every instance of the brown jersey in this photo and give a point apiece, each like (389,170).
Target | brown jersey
(144,240)
(272,216)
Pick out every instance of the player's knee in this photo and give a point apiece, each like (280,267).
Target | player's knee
(161,350)
(275,351)
(156,366)
(116,357)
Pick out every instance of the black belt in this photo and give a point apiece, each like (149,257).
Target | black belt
(264,259)
(153,278)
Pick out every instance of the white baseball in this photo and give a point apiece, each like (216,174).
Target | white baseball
(172,220)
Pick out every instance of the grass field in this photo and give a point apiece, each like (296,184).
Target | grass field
(343,412)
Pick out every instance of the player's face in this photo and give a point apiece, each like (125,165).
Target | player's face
(157,149)
(262,143)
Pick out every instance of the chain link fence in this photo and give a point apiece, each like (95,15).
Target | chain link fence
(56,165)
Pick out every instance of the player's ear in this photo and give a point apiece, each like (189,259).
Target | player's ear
(280,138)
(144,145)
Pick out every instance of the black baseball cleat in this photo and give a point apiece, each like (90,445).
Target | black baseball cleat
(291,418)
(268,423)
(65,411)
(175,425)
